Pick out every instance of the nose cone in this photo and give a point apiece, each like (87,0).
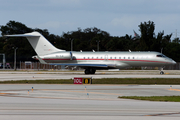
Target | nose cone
(173,62)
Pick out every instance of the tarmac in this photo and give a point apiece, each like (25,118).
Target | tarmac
(42,75)
(100,102)
(71,102)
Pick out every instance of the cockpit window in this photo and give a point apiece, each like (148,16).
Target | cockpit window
(160,56)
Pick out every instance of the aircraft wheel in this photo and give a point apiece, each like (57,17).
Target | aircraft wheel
(87,71)
(161,72)
(92,71)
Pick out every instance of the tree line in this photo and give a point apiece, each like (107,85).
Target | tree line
(86,40)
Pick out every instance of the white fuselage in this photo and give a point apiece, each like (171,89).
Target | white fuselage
(113,59)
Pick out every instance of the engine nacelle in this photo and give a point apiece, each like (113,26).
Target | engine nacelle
(60,55)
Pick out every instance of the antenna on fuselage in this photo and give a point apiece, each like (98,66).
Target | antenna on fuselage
(129,50)
(93,50)
(161,50)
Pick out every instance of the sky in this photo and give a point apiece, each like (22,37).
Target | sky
(117,17)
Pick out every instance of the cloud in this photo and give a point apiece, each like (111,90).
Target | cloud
(55,24)
(65,3)
(114,16)
(50,24)
(123,22)
(166,22)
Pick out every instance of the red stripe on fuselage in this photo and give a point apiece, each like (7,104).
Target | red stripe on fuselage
(114,60)
(55,59)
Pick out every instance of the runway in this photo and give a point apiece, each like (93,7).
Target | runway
(97,102)
(41,75)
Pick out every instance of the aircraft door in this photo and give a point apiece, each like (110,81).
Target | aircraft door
(106,57)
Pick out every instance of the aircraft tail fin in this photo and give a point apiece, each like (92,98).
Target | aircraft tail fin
(39,43)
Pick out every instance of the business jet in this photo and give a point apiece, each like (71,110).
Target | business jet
(92,61)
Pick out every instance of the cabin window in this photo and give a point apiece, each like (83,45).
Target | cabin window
(114,57)
(92,57)
(84,57)
(119,57)
(124,57)
(88,57)
(110,57)
(133,57)
(97,57)
(128,57)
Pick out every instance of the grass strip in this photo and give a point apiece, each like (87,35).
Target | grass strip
(37,82)
(137,81)
(141,81)
(154,98)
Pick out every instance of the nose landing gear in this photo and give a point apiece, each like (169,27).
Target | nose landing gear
(161,71)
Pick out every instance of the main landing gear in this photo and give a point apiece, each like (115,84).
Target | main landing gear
(90,71)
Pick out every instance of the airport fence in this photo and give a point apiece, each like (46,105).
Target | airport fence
(37,65)
(170,67)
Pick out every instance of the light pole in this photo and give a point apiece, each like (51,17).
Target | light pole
(71,44)
(97,44)
(15,57)
(4,60)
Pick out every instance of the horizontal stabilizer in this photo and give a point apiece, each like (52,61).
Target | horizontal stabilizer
(41,61)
